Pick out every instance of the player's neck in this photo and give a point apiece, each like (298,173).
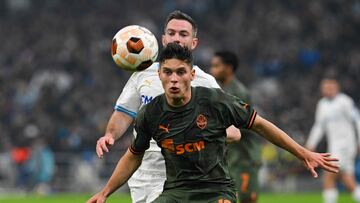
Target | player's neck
(227,80)
(179,101)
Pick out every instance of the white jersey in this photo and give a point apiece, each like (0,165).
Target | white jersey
(336,118)
(145,85)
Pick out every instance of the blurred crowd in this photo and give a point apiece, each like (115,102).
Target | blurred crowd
(58,83)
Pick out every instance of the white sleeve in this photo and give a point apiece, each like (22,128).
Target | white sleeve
(204,79)
(129,100)
(317,130)
(355,116)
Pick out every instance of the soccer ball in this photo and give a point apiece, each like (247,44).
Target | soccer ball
(134,48)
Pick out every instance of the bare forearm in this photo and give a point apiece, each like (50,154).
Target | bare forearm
(277,137)
(118,124)
(126,166)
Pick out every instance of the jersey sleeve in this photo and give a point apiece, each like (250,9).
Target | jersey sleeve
(142,140)
(129,100)
(204,79)
(354,113)
(236,112)
(317,130)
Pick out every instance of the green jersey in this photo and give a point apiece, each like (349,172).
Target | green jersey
(192,138)
(247,152)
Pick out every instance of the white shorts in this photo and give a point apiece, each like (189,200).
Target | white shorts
(147,183)
(346,159)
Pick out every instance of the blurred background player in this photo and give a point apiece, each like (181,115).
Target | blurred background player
(335,117)
(244,157)
(147,182)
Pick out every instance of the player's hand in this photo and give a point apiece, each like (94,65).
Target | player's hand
(233,134)
(321,160)
(103,143)
(97,198)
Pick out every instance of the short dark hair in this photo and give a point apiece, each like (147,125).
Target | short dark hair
(228,58)
(176,51)
(182,16)
(331,75)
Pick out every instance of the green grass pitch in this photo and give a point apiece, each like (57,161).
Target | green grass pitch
(125,198)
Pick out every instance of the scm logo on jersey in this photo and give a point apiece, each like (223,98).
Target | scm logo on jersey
(168,144)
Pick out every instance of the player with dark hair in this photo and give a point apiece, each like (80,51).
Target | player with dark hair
(147,182)
(189,125)
(244,157)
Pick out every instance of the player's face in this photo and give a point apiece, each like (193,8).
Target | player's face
(329,88)
(176,77)
(181,32)
(218,69)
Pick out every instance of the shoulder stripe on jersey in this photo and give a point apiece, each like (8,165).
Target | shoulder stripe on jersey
(253,115)
(132,150)
(128,112)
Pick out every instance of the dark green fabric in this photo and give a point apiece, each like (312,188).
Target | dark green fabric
(195,196)
(193,137)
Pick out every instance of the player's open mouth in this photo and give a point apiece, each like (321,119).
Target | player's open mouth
(174,90)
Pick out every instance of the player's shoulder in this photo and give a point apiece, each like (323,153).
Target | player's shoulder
(203,79)
(155,104)
(344,98)
(200,73)
(209,94)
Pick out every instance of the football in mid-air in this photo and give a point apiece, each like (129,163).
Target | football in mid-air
(134,48)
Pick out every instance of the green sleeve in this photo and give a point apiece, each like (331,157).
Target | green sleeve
(143,136)
(236,112)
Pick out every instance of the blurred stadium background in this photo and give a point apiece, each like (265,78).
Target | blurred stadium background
(58,83)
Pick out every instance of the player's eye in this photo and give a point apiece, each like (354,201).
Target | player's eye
(171,33)
(180,72)
(184,34)
(167,72)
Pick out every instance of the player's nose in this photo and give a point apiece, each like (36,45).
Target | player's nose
(173,77)
(176,38)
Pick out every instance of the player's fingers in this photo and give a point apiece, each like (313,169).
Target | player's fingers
(99,151)
(103,145)
(91,200)
(100,201)
(313,172)
(334,168)
(325,154)
(111,141)
(332,165)
(331,159)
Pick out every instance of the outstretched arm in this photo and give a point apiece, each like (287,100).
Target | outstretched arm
(278,137)
(126,166)
(118,124)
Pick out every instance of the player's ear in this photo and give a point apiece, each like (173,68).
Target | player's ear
(163,40)
(228,69)
(194,43)
(192,74)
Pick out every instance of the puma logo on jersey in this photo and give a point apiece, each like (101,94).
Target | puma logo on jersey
(146,99)
(147,82)
(168,144)
(165,129)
